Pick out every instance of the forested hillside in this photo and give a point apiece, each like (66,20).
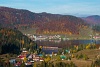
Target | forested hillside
(93,19)
(44,23)
(12,41)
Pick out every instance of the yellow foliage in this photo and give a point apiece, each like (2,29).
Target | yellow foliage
(58,58)
(70,33)
(22,41)
(35,65)
(76,47)
(73,56)
(40,47)
(88,46)
(47,59)
(74,51)
(25,59)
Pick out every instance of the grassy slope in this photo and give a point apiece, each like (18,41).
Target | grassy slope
(91,53)
(84,33)
(28,31)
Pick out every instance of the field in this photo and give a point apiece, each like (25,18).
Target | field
(28,30)
(91,53)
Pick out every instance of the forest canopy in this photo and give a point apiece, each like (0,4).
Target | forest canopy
(12,41)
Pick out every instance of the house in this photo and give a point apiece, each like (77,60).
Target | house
(17,64)
(62,57)
(41,59)
(28,63)
(68,51)
(35,57)
(12,60)
(23,55)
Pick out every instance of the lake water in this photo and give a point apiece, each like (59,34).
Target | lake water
(63,43)
(66,43)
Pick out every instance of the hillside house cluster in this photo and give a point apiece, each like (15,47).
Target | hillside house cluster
(29,59)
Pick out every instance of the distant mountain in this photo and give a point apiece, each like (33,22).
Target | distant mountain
(94,19)
(44,23)
(77,14)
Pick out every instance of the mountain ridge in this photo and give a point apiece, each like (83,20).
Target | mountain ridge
(93,19)
(44,22)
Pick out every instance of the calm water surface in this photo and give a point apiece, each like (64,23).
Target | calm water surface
(63,43)
(66,43)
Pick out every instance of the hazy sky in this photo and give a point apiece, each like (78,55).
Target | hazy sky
(83,7)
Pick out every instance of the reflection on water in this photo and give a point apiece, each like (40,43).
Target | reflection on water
(55,41)
(63,43)
(48,51)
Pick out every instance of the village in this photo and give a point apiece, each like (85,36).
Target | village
(43,37)
(28,58)
(72,54)
(60,37)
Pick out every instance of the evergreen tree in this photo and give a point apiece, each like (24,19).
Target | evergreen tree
(22,65)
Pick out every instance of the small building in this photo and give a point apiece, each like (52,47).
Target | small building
(62,57)
(35,57)
(23,55)
(41,59)
(17,64)
(68,51)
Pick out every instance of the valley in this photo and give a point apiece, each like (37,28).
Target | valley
(48,40)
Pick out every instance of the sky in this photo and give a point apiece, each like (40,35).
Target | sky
(71,7)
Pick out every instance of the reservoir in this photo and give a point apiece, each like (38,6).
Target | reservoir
(63,43)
